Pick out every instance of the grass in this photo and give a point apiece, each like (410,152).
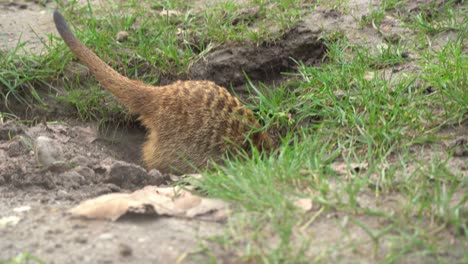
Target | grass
(364,139)
(365,117)
(160,46)
(23,258)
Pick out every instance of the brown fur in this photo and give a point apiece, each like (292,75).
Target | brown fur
(189,122)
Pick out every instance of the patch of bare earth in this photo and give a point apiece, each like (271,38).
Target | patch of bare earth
(34,199)
(24,21)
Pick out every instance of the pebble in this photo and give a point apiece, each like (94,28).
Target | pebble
(106,236)
(122,36)
(125,250)
(47,151)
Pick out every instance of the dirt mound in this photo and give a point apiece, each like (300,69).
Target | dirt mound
(265,63)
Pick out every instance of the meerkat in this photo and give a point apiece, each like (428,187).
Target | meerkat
(189,123)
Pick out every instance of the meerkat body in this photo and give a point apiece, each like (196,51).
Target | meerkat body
(189,122)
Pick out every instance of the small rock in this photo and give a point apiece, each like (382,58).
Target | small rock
(54,231)
(122,36)
(81,240)
(86,172)
(106,236)
(50,250)
(80,160)
(15,148)
(79,226)
(63,195)
(126,175)
(72,179)
(58,167)
(157,178)
(125,250)
(47,151)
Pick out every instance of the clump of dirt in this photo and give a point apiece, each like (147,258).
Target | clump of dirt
(227,65)
(81,158)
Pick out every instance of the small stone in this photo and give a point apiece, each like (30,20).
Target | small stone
(125,250)
(47,151)
(15,148)
(157,178)
(86,172)
(122,36)
(79,226)
(72,179)
(58,167)
(80,160)
(106,236)
(126,175)
(81,240)
(63,195)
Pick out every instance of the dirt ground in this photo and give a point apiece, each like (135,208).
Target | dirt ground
(34,200)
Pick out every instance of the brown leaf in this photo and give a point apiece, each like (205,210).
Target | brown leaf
(109,206)
(167,201)
(206,206)
(186,200)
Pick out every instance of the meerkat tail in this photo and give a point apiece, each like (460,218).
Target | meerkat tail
(119,85)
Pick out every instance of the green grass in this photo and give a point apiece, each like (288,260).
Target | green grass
(23,258)
(160,46)
(407,199)
(366,117)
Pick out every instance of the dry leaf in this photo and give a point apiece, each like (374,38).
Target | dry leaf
(109,206)
(186,200)
(167,201)
(206,206)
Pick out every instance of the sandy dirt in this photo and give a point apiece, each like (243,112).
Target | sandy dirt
(35,199)
(24,21)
